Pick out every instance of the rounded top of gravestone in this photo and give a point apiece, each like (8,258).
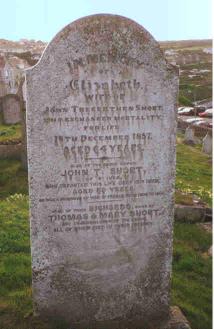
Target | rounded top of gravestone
(124,39)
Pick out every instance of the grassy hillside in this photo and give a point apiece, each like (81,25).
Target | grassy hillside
(195,62)
(193,173)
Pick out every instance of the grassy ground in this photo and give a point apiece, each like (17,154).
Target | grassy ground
(193,172)
(10,133)
(13,179)
(191,283)
(195,85)
(192,272)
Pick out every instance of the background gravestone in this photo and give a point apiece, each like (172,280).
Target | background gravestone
(11,109)
(207,143)
(101,126)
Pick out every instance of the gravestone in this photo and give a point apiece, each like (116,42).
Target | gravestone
(101,126)
(11,109)
(207,145)
(190,137)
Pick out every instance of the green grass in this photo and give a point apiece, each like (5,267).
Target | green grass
(10,133)
(15,266)
(198,87)
(184,101)
(13,179)
(195,94)
(184,198)
(192,274)
(199,65)
(191,282)
(15,273)
(194,172)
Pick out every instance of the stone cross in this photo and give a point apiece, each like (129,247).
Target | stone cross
(101,129)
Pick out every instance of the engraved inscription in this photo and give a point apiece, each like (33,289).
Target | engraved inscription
(101,123)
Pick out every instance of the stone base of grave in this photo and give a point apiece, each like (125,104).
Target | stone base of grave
(176,321)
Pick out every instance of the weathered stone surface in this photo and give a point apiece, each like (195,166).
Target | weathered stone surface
(190,137)
(210,251)
(177,320)
(191,214)
(101,125)
(207,143)
(11,109)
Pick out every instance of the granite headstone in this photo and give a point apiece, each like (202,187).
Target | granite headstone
(101,127)
(207,145)
(11,109)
